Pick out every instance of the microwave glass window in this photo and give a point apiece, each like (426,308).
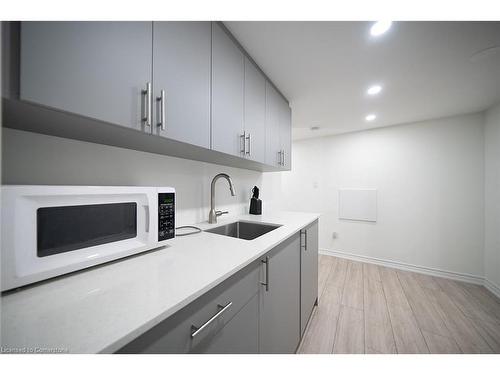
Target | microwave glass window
(68,228)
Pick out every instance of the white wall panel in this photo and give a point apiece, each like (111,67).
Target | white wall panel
(358,204)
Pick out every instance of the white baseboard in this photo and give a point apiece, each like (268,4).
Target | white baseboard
(492,287)
(419,269)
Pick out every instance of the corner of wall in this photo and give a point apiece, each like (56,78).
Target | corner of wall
(492,287)
(492,199)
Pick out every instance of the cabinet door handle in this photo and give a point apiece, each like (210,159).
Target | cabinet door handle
(162,123)
(243,143)
(279,157)
(303,245)
(247,152)
(195,330)
(266,284)
(147,105)
(283,156)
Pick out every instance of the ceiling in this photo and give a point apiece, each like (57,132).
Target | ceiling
(427,70)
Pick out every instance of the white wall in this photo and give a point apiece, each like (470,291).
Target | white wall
(433,169)
(492,196)
(30,158)
(430,183)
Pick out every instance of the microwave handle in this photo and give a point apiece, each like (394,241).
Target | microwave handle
(146,209)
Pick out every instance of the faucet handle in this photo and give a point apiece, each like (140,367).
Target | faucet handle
(218,213)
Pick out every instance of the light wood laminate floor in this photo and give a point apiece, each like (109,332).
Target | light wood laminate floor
(365,308)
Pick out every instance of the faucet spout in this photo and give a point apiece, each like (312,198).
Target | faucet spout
(231,188)
(212,217)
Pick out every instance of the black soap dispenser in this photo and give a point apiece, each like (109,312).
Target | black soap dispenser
(255,202)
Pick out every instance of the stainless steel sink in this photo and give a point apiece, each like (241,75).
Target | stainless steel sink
(243,230)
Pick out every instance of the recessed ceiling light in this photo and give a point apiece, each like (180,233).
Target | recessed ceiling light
(374,90)
(371,117)
(313,128)
(380,27)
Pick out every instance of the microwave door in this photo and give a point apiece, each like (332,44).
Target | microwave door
(69,228)
(53,230)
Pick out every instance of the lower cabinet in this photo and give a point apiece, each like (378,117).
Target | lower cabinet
(257,310)
(193,328)
(280,298)
(308,272)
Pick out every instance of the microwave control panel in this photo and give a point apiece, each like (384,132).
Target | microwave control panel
(166,216)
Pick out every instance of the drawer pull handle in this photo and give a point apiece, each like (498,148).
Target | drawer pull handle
(195,330)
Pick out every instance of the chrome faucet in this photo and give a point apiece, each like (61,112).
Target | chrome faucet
(212,217)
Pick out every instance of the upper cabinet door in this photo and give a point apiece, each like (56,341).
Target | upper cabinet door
(273,130)
(181,63)
(285,134)
(227,94)
(94,69)
(255,113)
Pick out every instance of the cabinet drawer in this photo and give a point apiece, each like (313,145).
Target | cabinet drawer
(240,335)
(173,335)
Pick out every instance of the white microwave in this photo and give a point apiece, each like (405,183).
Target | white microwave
(49,231)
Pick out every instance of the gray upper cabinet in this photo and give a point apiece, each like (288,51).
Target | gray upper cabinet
(273,146)
(285,134)
(227,94)
(181,63)
(280,300)
(94,69)
(278,129)
(308,272)
(189,84)
(255,113)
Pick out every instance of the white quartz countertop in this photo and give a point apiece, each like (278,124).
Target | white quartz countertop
(103,308)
